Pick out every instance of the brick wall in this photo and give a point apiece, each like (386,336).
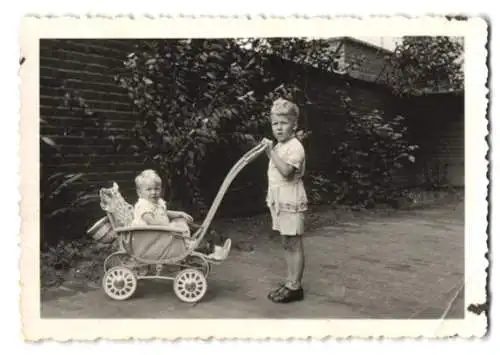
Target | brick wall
(326,116)
(87,67)
(436,120)
(437,125)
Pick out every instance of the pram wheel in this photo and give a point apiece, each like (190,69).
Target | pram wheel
(119,283)
(190,285)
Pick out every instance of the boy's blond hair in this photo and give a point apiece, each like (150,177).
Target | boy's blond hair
(147,176)
(282,107)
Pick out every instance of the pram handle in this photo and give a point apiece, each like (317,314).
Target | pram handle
(247,158)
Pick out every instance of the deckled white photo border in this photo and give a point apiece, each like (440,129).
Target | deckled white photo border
(476,72)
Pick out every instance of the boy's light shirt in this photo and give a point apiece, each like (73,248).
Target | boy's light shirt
(288,194)
(296,159)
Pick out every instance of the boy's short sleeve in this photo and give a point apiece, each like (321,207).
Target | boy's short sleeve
(294,154)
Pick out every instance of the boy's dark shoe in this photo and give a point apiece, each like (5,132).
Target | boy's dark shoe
(286,295)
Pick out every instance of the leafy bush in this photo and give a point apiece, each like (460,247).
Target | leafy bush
(319,188)
(434,176)
(60,201)
(197,96)
(373,150)
(58,260)
(426,63)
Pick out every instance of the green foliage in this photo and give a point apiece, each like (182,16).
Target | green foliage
(60,201)
(434,176)
(372,151)
(54,187)
(198,94)
(319,188)
(424,63)
(300,50)
(60,260)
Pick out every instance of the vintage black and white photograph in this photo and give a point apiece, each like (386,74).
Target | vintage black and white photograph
(283,177)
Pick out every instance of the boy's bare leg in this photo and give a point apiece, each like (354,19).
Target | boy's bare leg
(295,260)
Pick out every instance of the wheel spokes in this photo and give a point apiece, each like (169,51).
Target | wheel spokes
(190,285)
(120,283)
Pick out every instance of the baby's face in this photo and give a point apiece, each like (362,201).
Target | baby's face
(150,191)
(283,127)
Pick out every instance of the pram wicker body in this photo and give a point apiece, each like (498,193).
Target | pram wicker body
(158,252)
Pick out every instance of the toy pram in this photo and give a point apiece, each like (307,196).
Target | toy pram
(157,252)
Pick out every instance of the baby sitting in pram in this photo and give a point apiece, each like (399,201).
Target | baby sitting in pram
(151,209)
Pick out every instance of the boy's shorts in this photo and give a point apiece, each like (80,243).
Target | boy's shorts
(287,223)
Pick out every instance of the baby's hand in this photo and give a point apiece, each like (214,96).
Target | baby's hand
(186,216)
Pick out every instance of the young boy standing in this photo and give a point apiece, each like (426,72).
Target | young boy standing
(286,196)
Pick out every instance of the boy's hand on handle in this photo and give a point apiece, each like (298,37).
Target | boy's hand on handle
(269,145)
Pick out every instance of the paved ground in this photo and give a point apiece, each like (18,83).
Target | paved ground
(408,265)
